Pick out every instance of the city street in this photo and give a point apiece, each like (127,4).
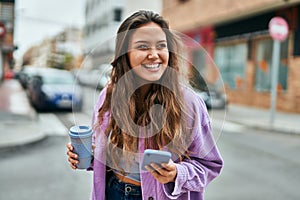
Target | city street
(241,58)
(258,165)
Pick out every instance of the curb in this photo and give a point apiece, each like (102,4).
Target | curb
(9,146)
(265,127)
(20,132)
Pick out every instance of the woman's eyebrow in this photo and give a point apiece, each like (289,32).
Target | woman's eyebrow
(143,41)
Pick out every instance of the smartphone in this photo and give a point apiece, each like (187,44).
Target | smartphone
(155,156)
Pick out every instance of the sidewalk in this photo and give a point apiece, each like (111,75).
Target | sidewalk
(19,122)
(21,125)
(261,119)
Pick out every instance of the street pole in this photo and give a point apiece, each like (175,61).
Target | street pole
(279,31)
(275,67)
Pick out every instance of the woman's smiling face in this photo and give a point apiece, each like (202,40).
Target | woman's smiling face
(148,52)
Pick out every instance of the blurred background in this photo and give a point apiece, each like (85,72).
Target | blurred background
(55,58)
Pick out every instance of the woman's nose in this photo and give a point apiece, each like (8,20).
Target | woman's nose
(153,54)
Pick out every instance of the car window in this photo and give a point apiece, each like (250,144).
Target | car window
(58,79)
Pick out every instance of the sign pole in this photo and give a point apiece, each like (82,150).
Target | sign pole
(275,68)
(279,30)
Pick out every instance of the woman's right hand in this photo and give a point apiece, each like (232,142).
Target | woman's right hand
(72,157)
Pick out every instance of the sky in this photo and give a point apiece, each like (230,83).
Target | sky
(36,20)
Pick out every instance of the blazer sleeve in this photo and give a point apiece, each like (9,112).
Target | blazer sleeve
(205,161)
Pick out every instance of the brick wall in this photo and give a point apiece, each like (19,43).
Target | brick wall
(189,14)
(288,101)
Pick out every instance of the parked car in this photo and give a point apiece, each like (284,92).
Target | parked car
(104,76)
(211,95)
(95,78)
(55,89)
(213,98)
(26,74)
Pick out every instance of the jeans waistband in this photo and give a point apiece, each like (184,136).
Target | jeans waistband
(126,188)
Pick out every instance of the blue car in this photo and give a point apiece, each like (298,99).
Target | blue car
(55,89)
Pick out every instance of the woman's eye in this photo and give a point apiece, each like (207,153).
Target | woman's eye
(161,46)
(143,47)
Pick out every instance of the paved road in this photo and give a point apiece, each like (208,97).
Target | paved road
(41,172)
(258,166)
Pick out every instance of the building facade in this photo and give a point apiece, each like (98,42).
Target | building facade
(63,51)
(234,36)
(103,18)
(6,36)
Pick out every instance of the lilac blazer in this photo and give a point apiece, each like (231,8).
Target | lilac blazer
(192,175)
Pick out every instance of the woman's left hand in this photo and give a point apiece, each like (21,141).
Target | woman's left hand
(165,173)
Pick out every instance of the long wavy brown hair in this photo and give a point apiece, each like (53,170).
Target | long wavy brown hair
(167,127)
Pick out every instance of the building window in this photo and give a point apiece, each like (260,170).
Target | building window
(264,67)
(117,15)
(7,12)
(231,61)
(199,60)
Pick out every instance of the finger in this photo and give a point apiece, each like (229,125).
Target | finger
(93,146)
(158,169)
(149,169)
(72,155)
(171,171)
(154,173)
(70,147)
(73,166)
(160,178)
(169,167)
(73,161)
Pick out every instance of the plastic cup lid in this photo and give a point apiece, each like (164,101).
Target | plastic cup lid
(80,131)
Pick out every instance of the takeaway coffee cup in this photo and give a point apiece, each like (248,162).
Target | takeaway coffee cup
(81,140)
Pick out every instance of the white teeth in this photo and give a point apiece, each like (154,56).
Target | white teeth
(152,66)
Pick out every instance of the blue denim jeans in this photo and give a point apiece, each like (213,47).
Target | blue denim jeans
(118,190)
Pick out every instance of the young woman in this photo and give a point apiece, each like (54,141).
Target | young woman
(146,105)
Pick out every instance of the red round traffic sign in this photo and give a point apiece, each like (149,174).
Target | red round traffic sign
(278,28)
(2,30)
